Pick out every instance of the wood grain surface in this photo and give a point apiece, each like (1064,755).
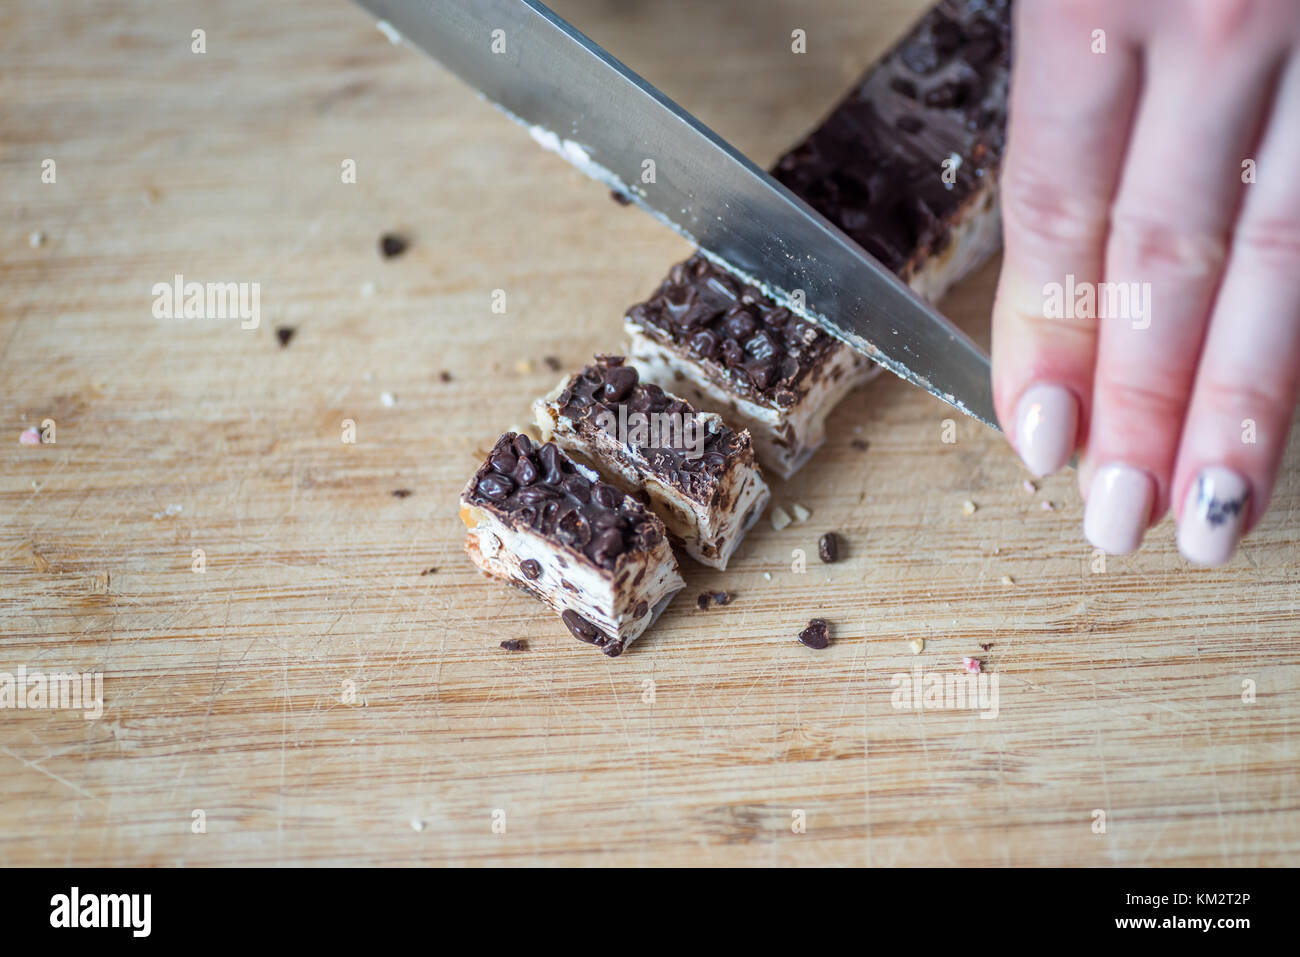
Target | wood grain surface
(226,691)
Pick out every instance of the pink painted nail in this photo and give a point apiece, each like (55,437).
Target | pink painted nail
(1214,516)
(1047,420)
(1118,509)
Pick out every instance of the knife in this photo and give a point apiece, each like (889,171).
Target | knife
(582,103)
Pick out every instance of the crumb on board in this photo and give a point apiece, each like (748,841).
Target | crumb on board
(722,597)
(1048,506)
(444,376)
(417,824)
(431,570)
(392,244)
(969,508)
(284,333)
(514,644)
(985,646)
(703,600)
(401,492)
(1008,580)
(972,665)
(817,635)
(552,363)
(780,517)
(1030,487)
(860,444)
(767,576)
(800,513)
(917,645)
(387,399)
(36,239)
(30,436)
(524,366)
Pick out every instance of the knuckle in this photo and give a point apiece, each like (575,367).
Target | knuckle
(1144,246)
(1158,399)
(1252,397)
(1272,242)
(1037,208)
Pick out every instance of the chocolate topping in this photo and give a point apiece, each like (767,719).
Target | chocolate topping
(874,166)
(760,349)
(611,392)
(539,488)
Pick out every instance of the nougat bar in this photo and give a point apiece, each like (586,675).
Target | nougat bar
(906,165)
(699,475)
(550,526)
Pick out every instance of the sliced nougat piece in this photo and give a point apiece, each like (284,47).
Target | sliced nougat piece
(596,555)
(699,474)
(721,344)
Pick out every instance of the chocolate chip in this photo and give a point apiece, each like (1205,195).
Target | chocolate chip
(705,343)
(549,456)
(401,492)
(525,472)
(828,548)
(495,487)
(582,629)
(514,644)
(523,444)
(612,648)
(732,353)
(703,601)
(947,96)
(284,334)
(816,635)
(391,244)
(619,381)
(531,568)
(503,461)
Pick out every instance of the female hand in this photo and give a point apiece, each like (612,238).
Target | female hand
(1154,154)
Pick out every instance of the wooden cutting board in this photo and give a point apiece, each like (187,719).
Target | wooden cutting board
(329,688)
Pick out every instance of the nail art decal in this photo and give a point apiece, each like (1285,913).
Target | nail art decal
(1214,516)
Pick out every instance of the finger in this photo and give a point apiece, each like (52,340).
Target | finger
(1199,114)
(1069,116)
(1246,385)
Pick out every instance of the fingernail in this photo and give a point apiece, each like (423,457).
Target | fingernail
(1047,419)
(1214,514)
(1119,506)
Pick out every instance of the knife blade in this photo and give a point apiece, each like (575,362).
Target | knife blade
(579,101)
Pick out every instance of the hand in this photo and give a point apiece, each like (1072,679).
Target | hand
(1166,168)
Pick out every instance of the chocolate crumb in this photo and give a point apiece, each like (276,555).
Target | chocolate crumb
(431,570)
(531,568)
(552,363)
(828,548)
(703,601)
(444,376)
(723,598)
(401,492)
(514,644)
(391,244)
(284,334)
(859,444)
(817,634)
(582,629)
(623,199)
(986,647)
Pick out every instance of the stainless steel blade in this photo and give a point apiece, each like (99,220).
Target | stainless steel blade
(582,103)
